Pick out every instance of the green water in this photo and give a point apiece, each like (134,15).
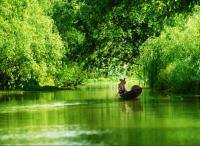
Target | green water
(94,115)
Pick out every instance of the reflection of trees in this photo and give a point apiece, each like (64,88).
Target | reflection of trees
(166,107)
(31,119)
(188,106)
(26,97)
(8,97)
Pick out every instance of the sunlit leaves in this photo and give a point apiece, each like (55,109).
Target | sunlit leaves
(29,49)
(176,53)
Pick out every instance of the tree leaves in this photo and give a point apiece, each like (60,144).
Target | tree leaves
(29,49)
(175,55)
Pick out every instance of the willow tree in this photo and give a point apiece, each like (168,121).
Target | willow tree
(30,50)
(171,61)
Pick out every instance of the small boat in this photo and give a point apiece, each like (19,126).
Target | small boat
(132,94)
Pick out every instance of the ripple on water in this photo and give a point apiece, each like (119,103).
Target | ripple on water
(17,108)
(56,135)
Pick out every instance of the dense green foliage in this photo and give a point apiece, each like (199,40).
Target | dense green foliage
(61,42)
(171,61)
(31,52)
(106,35)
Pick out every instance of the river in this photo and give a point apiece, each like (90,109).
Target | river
(92,115)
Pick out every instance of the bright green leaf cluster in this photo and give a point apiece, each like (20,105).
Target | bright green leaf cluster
(29,49)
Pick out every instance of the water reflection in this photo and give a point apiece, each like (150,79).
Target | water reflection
(94,115)
(131,105)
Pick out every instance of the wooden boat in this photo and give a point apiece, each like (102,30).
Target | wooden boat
(132,94)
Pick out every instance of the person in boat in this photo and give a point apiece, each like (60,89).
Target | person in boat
(123,93)
(122,87)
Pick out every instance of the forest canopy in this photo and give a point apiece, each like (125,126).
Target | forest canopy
(62,42)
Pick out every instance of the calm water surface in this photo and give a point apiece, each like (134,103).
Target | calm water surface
(94,115)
